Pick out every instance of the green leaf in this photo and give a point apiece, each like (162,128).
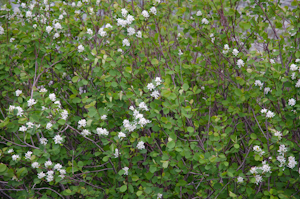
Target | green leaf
(138,193)
(3,168)
(253,136)
(135,178)
(75,79)
(123,188)
(61,122)
(171,144)
(154,61)
(92,111)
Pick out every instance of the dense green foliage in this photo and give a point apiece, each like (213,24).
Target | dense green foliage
(202,113)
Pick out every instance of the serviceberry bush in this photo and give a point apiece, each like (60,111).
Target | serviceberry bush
(149,99)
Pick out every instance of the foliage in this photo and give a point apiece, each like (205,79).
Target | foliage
(201,103)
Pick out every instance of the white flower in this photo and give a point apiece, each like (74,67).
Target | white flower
(204,21)
(270,114)
(81,123)
(77,12)
(80,48)
(108,25)
(57,166)
(89,31)
(240,179)
(57,26)
(180,53)
(267,90)
(199,13)
(116,153)
(28,154)
(131,108)
(43,141)
(292,102)
(56,35)
(20,111)
(48,164)
(85,132)
(240,63)
(50,172)
(103,117)
(293,67)
(1,30)
(143,106)
(124,12)
(48,126)
(58,139)
(126,42)
(50,178)
(158,81)
(121,135)
(29,125)
(79,4)
(297,60)
(126,170)
(298,84)
(35,165)
(159,196)
(153,10)
(43,90)
(120,50)
(15,157)
(272,61)
(253,170)
(235,52)
(258,179)
(282,149)
(129,19)
(48,29)
(278,134)
(64,114)
(52,97)
(61,17)
(34,26)
(145,13)
(292,162)
(121,22)
(10,151)
(102,33)
(28,14)
(131,31)
(102,131)
(140,145)
(151,86)
(41,175)
(11,40)
(266,168)
(293,76)
(155,94)
(23,128)
(139,34)
(281,159)
(31,102)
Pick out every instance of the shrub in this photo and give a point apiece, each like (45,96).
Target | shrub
(149,99)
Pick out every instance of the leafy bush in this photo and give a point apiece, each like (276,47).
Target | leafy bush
(150,99)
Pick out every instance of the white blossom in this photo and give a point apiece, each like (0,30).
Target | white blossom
(292,102)
(267,90)
(1,30)
(240,63)
(293,67)
(10,151)
(116,153)
(80,48)
(64,114)
(131,31)
(103,117)
(15,157)
(89,31)
(292,162)
(48,29)
(48,163)
(50,178)
(121,135)
(85,132)
(198,13)
(155,94)
(153,10)
(31,102)
(126,42)
(140,145)
(298,84)
(124,12)
(18,92)
(58,139)
(57,166)
(145,14)
(28,154)
(258,179)
(81,123)
(270,114)
(35,165)
(235,52)
(282,149)
(150,86)
(159,196)
(43,141)
(23,128)
(41,175)
(129,19)
(240,179)
(204,21)
(57,26)
(102,131)
(272,61)
(158,81)
(143,106)
(126,170)
(52,97)
(139,34)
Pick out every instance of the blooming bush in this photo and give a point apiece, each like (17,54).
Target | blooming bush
(152,99)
